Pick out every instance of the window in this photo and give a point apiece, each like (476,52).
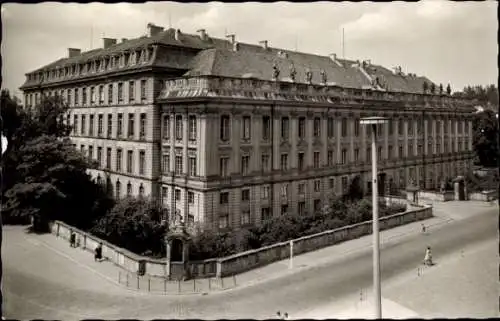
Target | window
(246,133)
(84,96)
(391,127)
(119,128)
(164,194)
(91,125)
(266,127)
(178,165)
(129,189)
(316,159)
(329,157)
(302,208)
(142,129)
(330,127)
(265,163)
(429,148)
(284,209)
(265,214)
(192,166)
(317,185)
(284,191)
(77,99)
(284,162)
(143,89)
(75,124)
(142,161)
(92,96)
(245,160)
(410,127)
(99,156)
(390,153)
(131,91)
(91,152)
(369,154)
(265,192)
(356,154)
(344,183)
(317,205)
(100,119)
(379,131)
(192,128)
(101,94)
(344,127)
(400,127)
(119,160)
(285,128)
(331,183)
(131,126)
(110,94)
(82,132)
(379,153)
(68,96)
(178,127)
(301,161)
(108,158)
(224,166)
(401,152)
(120,92)
(177,194)
(223,221)
(224,128)
(118,189)
(356,127)
(190,197)
(410,149)
(166,127)
(245,217)
(165,163)
(302,127)
(344,156)
(130,157)
(245,195)
(301,189)
(110,125)
(224,198)
(317,127)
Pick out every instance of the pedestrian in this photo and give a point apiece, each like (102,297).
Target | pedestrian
(428,256)
(278,315)
(285,316)
(423,228)
(72,239)
(98,252)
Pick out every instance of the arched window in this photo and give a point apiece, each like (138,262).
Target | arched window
(141,191)
(118,189)
(129,189)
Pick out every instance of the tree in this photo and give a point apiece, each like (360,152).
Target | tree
(448,89)
(485,138)
(425,87)
(441,89)
(355,190)
(135,224)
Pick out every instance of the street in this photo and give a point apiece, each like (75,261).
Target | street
(39,283)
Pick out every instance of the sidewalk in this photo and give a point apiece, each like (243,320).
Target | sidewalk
(443,212)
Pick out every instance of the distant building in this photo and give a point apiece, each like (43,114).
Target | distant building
(229,134)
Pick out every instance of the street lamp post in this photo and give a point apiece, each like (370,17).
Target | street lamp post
(373,122)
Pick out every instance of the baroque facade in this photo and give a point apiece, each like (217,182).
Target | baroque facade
(227,134)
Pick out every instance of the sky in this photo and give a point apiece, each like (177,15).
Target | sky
(448,42)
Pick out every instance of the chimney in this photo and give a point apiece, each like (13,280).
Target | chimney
(236,46)
(203,34)
(72,52)
(177,34)
(263,43)
(333,57)
(232,37)
(108,42)
(154,30)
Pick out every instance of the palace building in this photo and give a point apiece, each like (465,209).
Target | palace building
(228,134)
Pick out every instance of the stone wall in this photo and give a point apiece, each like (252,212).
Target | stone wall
(242,261)
(484,196)
(433,196)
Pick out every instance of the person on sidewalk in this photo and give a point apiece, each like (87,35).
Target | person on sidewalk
(98,253)
(72,239)
(428,257)
(278,315)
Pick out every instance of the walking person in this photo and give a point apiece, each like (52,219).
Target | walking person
(72,239)
(98,253)
(428,256)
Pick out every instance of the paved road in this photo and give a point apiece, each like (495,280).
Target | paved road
(39,283)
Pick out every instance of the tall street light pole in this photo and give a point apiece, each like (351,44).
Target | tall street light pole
(373,122)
